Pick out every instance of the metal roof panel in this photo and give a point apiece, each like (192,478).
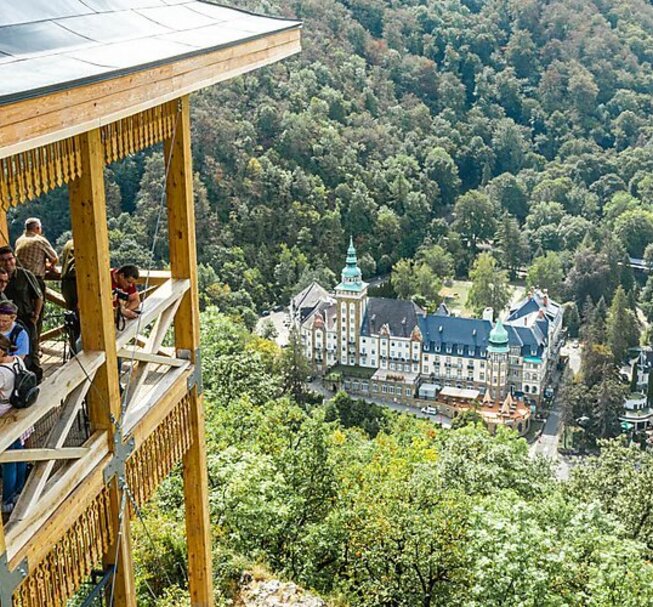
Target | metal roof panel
(115,5)
(176,17)
(202,37)
(13,12)
(38,73)
(113,27)
(29,38)
(75,39)
(121,54)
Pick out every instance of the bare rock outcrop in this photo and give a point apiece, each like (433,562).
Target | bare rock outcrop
(274,593)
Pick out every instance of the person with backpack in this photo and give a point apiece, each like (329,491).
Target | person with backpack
(13,329)
(24,291)
(18,389)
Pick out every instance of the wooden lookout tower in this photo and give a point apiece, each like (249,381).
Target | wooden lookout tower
(84,83)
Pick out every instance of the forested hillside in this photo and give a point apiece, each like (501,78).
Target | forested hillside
(429,130)
(375,509)
(411,124)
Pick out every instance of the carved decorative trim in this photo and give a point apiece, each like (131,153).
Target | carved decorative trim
(137,132)
(161,451)
(69,563)
(30,174)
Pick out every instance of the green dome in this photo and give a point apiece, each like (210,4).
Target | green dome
(498,338)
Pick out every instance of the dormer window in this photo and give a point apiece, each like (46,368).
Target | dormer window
(460,350)
(437,348)
(449,348)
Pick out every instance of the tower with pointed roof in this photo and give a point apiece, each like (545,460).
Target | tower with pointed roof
(351,299)
(497,361)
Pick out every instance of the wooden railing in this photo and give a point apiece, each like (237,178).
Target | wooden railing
(156,417)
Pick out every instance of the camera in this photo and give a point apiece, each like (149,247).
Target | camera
(120,295)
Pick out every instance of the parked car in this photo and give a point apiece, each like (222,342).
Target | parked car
(265,313)
(429,410)
(278,308)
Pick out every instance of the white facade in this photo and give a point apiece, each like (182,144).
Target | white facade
(349,329)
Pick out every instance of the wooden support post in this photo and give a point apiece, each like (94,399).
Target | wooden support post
(183,264)
(3,543)
(4,227)
(89,223)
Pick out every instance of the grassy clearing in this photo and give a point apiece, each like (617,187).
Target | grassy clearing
(455,297)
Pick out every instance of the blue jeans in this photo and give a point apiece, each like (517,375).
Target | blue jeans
(13,476)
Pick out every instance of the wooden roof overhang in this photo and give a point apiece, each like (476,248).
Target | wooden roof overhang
(133,105)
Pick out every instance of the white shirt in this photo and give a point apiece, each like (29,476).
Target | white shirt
(7,380)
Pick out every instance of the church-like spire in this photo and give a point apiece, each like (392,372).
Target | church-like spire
(351,273)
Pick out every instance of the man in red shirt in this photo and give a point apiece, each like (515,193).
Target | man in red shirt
(125,294)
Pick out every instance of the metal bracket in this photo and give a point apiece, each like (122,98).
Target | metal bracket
(195,378)
(10,580)
(121,452)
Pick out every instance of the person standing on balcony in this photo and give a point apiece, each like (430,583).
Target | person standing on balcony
(14,474)
(24,291)
(35,253)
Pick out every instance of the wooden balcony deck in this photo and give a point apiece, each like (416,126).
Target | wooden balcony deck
(69,462)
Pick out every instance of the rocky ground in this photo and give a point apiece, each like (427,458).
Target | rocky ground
(274,593)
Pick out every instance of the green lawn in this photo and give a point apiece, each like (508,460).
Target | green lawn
(455,297)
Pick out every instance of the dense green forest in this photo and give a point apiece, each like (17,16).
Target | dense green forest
(423,128)
(450,138)
(372,508)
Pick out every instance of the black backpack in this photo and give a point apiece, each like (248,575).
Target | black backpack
(26,389)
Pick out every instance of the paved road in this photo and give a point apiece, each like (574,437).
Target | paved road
(439,418)
(547,444)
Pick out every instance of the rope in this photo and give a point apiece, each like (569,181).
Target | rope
(155,236)
(139,513)
(121,514)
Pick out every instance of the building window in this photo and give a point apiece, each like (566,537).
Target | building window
(375,387)
(384,389)
(407,392)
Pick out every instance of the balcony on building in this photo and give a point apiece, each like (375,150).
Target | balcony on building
(103,90)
